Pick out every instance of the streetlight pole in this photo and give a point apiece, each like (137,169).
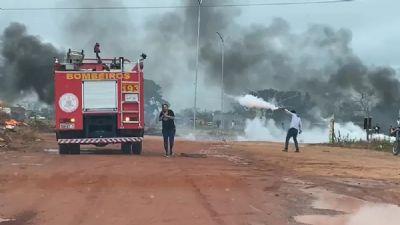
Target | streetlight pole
(197,65)
(222,76)
(222,70)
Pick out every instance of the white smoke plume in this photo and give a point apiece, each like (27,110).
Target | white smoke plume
(251,101)
(261,129)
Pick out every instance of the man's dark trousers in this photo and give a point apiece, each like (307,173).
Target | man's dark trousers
(169,136)
(292,133)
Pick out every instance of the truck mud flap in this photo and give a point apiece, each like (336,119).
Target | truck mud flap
(89,141)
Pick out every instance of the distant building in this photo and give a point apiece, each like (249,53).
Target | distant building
(6,110)
(18,113)
(232,121)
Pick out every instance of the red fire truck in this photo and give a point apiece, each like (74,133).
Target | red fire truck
(99,102)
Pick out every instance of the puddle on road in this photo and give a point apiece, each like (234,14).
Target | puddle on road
(6,220)
(354,211)
(26,164)
(51,151)
(22,218)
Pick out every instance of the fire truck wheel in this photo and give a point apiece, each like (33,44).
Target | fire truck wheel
(126,148)
(63,149)
(137,148)
(75,149)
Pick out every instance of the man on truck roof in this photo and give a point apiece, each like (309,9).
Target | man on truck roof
(97,51)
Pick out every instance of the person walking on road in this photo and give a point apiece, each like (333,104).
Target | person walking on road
(294,130)
(167,117)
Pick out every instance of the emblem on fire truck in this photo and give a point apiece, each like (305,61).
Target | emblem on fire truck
(68,102)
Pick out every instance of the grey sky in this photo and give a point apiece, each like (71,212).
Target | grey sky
(376,38)
(374,24)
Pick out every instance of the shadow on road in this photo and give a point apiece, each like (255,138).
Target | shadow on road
(115,151)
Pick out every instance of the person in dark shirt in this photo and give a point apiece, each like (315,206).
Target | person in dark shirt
(377,129)
(96,50)
(167,117)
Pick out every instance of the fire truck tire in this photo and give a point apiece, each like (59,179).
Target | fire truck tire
(137,148)
(126,148)
(63,149)
(75,149)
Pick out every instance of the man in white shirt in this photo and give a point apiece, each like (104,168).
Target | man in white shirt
(295,128)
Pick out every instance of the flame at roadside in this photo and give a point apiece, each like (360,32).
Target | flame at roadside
(11,124)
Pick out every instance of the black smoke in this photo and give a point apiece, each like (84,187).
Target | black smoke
(113,29)
(26,64)
(319,61)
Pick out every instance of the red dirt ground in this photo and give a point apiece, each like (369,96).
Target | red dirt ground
(237,183)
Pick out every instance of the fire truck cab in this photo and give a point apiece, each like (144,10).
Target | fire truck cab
(98,102)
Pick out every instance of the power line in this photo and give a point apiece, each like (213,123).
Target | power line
(173,7)
(280,3)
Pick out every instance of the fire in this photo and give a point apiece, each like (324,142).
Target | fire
(11,124)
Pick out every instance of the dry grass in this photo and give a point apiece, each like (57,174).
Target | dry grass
(378,145)
(19,138)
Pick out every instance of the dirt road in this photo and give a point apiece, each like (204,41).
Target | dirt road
(236,183)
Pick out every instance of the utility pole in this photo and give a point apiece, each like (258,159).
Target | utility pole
(332,137)
(398,119)
(222,76)
(197,64)
(365,104)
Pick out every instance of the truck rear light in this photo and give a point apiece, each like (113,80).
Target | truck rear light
(67,123)
(131,119)
(67,120)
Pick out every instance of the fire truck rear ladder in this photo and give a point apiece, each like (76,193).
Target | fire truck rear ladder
(128,111)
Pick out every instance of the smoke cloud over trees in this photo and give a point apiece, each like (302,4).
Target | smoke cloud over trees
(26,64)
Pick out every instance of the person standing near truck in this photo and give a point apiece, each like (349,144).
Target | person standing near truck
(167,117)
